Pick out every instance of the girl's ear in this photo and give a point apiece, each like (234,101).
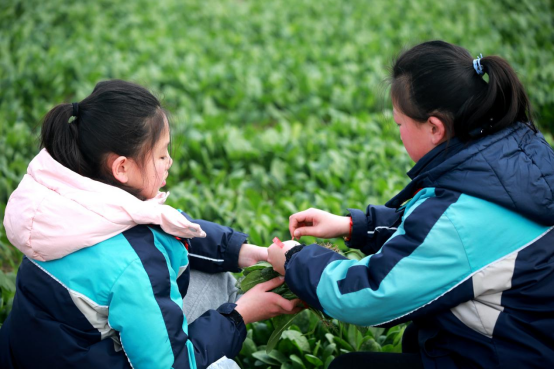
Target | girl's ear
(120,167)
(438,130)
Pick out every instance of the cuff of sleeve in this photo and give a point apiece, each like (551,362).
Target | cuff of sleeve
(231,259)
(359,228)
(291,252)
(304,271)
(228,310)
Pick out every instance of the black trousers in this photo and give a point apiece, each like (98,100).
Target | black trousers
(408,359)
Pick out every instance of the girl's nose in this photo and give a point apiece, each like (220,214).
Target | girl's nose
(170,162)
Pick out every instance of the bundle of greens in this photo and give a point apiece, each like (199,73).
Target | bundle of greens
(262,272)
(259,273)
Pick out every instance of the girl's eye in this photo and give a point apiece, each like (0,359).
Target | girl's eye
(163,157)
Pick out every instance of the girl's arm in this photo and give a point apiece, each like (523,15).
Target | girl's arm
(146,311)
(219,251)
(145,307)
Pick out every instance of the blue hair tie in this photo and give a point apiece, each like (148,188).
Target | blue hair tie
(477,65)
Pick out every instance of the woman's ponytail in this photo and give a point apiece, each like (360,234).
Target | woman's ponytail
(60,136)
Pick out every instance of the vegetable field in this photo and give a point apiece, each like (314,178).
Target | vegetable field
(277,106)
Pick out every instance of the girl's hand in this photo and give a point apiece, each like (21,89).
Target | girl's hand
(251,254)
(259,304)
(276,255)
(318,223)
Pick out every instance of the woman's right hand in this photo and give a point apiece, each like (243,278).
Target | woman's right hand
(318,223)
(259,304)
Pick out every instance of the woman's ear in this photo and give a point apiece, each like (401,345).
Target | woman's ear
(120,167)
(438,130)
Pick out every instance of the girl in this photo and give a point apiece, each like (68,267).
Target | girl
(104,277)
(465,250)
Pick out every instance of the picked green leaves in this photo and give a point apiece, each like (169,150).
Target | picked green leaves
(260,273)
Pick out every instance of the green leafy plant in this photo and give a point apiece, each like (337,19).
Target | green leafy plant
(310,342)
(343,336)
(275,108)
(263,272)
(7,291)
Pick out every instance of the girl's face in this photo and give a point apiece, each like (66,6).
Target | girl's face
(414,135)
(156,168)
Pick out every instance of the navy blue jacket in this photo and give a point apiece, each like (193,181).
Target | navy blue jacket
(119,304)
(465,251)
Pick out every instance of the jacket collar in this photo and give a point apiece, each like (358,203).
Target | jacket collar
(511,168)
(427,163)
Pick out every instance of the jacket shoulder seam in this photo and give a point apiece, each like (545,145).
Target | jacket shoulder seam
(496,175)
(133,261)
(522,148)
(459,237)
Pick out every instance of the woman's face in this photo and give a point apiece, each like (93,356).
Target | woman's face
(416,136)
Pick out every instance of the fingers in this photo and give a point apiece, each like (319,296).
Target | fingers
(297,310)
(260,304)
(299,303)
(293,224)
(300,220)
(305,231)
(309,223)
(271,284)
(290,306)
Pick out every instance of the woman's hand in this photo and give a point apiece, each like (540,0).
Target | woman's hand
(259,304)
(318,223)
(251,254)
(276,255)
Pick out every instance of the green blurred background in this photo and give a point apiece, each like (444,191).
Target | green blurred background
(276,106)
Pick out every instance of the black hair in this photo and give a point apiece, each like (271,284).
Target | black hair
(118,117)
(436,78)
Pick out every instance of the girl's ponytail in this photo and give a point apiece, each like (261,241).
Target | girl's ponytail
(436,78)
(118,117)
(60,136)
(505,100)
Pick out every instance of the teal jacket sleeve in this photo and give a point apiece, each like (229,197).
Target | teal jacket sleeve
(146,311)
(422,261)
